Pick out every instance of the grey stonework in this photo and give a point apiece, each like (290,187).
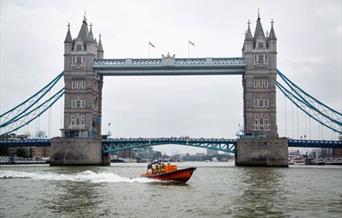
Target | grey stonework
(79,57)
(260,146)
(262,152)
(82,102)
(259,90)
(72,151)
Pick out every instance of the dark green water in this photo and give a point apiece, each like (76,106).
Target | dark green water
(215,190)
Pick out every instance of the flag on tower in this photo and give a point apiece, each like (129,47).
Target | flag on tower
(150,43)
(191,43)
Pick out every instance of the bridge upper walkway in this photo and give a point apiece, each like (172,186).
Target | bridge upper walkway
(170,66)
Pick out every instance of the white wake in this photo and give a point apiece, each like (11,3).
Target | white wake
(88,176)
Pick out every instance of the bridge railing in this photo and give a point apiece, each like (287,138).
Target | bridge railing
(175,61)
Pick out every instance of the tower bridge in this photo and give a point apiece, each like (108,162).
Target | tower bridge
(85,67)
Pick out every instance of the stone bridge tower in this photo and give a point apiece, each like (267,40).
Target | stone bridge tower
(260,144)
(260,53)
(81,135)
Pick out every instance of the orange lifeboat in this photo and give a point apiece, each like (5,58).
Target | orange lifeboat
(168,172)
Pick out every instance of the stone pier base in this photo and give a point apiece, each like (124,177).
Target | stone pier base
(68,152)
(262,152)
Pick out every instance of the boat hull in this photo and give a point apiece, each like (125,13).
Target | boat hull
(182,175)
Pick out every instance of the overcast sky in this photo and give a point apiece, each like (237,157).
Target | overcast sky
(309,53)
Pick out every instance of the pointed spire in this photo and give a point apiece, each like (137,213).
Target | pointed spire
(85,17)
(258,29)
(272,35)
(249,33)
(99,46)
(68,38)
(90,35)
(83,34)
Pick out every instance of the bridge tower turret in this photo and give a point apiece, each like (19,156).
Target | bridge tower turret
(81,135)
(260,53)
(83,88)
(260,145)
(68,42)
(100,49)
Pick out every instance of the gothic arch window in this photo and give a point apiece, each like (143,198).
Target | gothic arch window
(78,84)
(79,47)
(261,103)
(73,120)
(73,104)
(82,121)
(260,83)
(261,123)
(82,103)
(77,121)
(260,45)
(78,103)
(261,59)
(77,60)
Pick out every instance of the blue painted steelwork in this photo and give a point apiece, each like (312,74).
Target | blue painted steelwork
(25,143)
(33,114)
(12,114)
(30,109)
(314,143)
(301,105)
(170,66)
(115,145)
(314,108)
(305,93)
(226,145)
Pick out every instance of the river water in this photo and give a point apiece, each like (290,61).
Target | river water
(215,190)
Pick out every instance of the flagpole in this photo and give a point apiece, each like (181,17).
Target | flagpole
(190,43)
(188,50)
